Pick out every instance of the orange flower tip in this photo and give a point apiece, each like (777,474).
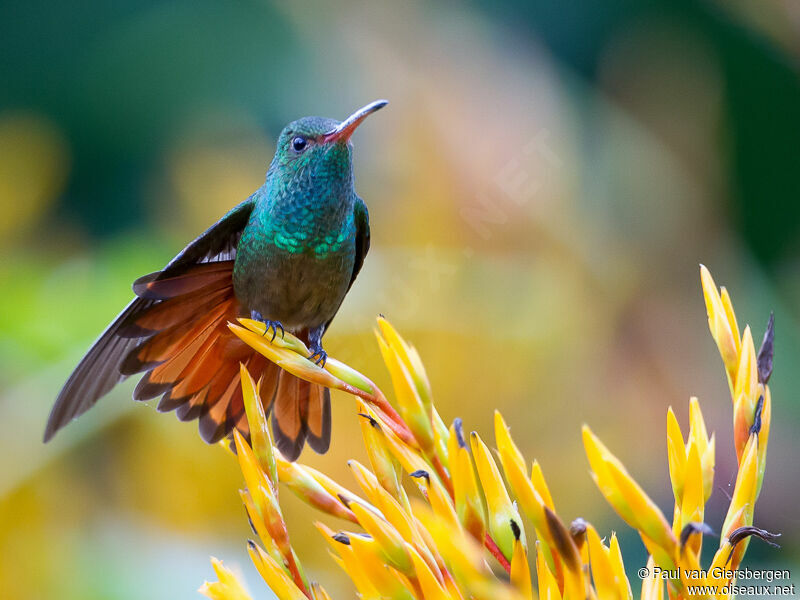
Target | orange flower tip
(766,351)
(693,528)
(742,533)
(458,426)
(421,473)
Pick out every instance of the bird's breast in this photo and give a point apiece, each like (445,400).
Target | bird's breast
(299,279)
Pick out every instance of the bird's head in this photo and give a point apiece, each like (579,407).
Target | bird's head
(317,150)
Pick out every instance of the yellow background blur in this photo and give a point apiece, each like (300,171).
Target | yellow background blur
(542,188)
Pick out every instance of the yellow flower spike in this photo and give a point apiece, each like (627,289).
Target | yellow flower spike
(407,398)
(747,368)
(604,574)
(260,436)
(371,561)
(625,495)
(689,563)
(698,434)
(618,566)
(531,502)
(705,445)
(720,326)
(341,545)
(721,560)
(540,485)
(730,315)
(505,444)
(441,439)
(355,571)
(387,537)
(693,499)
(468,500)
(292,355)
(398,516)
(520,570)
(431,588)
(227,588)
(501,511)
(548,586)
(254,477)
(676,455)
(287,341)
(649,518)
(285,354)
(599,459)
(350,376)
(319,593)
(663,559)
(652,585)
(441,503)
(744,489)
(434,542)
(533,494)
(763,437)
(384,465)
(309,490)
(708,462)
(387,507)
(269,510)
(464,556)
(335,489)
(410,359)
(275,577)
(367,481)
(409,458)
(257,522)
(568,553)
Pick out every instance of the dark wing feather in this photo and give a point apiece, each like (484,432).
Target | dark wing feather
(99,370)
(361,217)
(362,237)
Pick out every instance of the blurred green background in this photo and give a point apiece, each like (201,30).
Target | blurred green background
(542,187)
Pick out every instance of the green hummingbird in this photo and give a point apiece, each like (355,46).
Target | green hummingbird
(286,256)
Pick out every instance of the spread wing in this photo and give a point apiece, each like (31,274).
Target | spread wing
(99,370)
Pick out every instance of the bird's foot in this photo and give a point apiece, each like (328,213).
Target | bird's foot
(318,356)
(268,324)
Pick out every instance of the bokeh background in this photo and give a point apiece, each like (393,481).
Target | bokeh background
(542,187)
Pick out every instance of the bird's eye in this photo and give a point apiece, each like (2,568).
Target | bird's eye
(299,143)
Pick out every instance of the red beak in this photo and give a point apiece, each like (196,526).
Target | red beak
(343,131)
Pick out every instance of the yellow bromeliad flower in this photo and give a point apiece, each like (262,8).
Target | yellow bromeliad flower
(455,537)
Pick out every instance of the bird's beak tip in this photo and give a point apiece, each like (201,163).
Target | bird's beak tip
(345,129)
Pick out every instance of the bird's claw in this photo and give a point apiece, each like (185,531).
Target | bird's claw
(269,324)
(319,357)
(275,326)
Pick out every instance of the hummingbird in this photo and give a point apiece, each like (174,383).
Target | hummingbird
(286,256)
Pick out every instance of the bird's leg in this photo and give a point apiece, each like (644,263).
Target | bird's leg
(274,325)
(318,355)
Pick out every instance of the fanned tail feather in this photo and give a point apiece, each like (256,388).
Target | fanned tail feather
(176,333)
(301,413)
